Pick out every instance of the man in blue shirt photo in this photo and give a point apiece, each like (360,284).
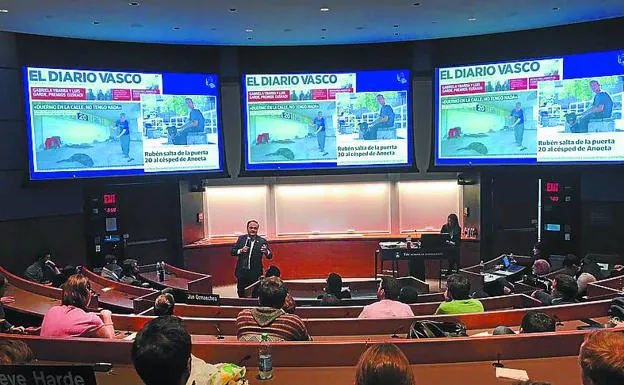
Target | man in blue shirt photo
(383,126)
(319,126)
(601,108)
(195,123)
(518,125)
(124,134)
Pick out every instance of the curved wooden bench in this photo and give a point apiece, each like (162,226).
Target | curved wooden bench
(179,279)
(117,296)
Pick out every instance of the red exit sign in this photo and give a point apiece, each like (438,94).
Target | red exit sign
(552,187)
(110,199)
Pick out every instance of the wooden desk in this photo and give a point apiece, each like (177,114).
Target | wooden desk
(351,326)
(178,279)
(116,296)
(478,276)
(606,288)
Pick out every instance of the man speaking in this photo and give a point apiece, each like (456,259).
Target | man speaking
(249,249)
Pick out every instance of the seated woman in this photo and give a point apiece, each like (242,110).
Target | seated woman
(383,364)
(453,238)
(71,318)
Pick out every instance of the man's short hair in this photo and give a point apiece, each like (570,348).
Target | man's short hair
(408,295)
(571,260)
(15,352)
(273,271)
(188,99)
(164,305)
(122,114)
(391,288)
(378,95)
(502,330)
(334,284)
(602,358)
(272,292)
(566,286)
(594,81)
(109,258)
(537,322)
(161,352)
(583,281)
(252,221)
(459,286)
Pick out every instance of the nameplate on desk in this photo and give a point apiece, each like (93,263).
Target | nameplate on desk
(47,375)
(202,299)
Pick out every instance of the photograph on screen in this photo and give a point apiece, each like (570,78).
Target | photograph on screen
(491,110)
(581,119)
(327,120)
(85,123)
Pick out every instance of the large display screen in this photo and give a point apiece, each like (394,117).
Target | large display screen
(327,120)
(539,111)
(84,123)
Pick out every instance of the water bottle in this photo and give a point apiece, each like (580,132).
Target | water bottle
(408,242)
(481,267)
(160,271)
(265,359)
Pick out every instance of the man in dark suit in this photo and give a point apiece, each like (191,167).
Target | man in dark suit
(249,249)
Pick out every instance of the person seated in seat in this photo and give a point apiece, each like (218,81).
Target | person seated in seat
(333,291)
(571,265)
(43,270)
(537,322)
(590,266)
(383,364)
(14,352)
(66,272)
(164,305)
(71,318)
(601,358)
(289,303)
(111,269)
(269,317)
(457,296)
(388,305)
(130,273)
(5,325)
(582,282)
(161,354)
(564,290)
(540,267)
(408,295)
(502,330)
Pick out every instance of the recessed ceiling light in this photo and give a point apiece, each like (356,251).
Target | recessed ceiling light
(249,30)
(233,10)
(134,3)
(95,22)
(324,9)
(4,11)
(176,28)
(472,19)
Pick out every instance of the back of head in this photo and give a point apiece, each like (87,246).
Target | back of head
(541,267)
(571,260)
(164,305)
(161,352)
(537,322)
(458,286)
(391,288)
(76,291)
(602,358)
(408,295)
(502,330)
(566,286)
(582,281)
(109,258)
(273,271)
(272,292)
(14,352)
(383,364)
(334,284)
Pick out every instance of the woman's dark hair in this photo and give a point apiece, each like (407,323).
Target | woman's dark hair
(76,291)
(454,220)
(334,284)
(383,364)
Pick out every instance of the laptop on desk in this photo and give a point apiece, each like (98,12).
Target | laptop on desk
(433,241)
(509,268)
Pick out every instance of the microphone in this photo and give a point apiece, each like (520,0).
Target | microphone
(219,333)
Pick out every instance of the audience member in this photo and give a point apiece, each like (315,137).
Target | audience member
(571,265)
(333,291)
(130,273)
(540,267)
(164,305)
(383,364)
(111,269)
(457,296)
(388,305)
(273,271)
(539,251)
(5,325)
(408,295)
(500,286)
(564,291)
(43,270)
(66,272)
(582,281)
(14,352)
(537,322)
(590,266)
(270,318)
(602,358)
(502,330)
(71,318)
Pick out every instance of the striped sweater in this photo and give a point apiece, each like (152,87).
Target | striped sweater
(279,325)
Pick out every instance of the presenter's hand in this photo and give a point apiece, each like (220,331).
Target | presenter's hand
(244,250)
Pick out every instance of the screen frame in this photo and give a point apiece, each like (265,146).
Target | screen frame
(518,166)
(222,172)
(343,170)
